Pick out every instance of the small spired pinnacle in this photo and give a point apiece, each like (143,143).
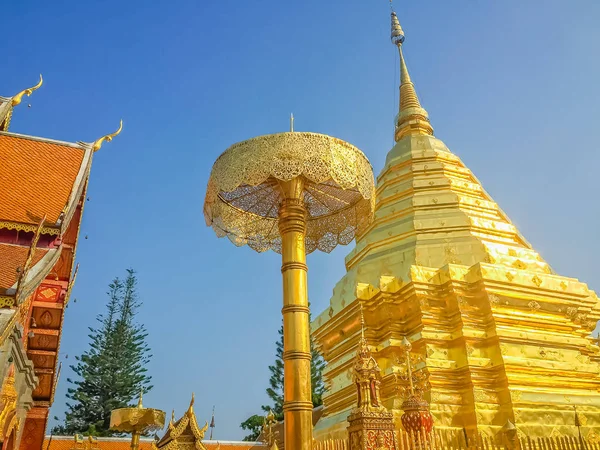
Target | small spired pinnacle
(412,118)
(292,122)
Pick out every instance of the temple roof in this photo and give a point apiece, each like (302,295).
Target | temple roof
(39,177)
(123,443)
(43,184)
(185,429)
(12,257)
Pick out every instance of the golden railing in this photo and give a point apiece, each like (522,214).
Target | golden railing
(331,444)
(448,439)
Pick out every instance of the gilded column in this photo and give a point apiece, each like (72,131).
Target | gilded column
(297,392)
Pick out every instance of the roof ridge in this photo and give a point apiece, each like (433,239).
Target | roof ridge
(147,439)
(80,145)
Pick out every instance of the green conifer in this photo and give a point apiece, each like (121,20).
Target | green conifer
(112,372)
(275,390)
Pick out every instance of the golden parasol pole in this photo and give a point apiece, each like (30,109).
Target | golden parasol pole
(297,391)
(293,193)
(135,440)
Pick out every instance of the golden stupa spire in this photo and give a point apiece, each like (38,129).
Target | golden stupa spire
(412,117)
(363,354)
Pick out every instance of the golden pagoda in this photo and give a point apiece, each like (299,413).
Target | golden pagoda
(502,338)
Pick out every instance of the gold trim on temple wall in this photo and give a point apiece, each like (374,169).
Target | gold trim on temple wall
(28,227)
(6,301)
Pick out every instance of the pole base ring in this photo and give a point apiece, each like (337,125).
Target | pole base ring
(295,308)
(295,355)
(297,405)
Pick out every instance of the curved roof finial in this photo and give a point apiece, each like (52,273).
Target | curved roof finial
(19,97)
(109,137)
(192,401)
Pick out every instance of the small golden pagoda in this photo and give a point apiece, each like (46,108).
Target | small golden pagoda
(370,424)
(504,339)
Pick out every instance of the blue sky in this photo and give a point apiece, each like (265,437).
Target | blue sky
(511,87)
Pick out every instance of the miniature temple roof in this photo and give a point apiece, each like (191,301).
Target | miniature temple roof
(364,363)
(185,432)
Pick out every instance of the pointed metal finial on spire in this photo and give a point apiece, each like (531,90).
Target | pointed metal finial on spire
(292,122)
(407,347)
(412,117)
(212,424)
(192,401)
(109,137)
(140,404)
(19,97)
(397,32)
(577,420)
(363,354)
(362,322)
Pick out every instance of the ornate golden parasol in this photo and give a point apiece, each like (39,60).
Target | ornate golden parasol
(137,421)
(292,193)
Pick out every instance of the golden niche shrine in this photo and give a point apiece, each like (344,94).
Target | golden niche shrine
(502,339)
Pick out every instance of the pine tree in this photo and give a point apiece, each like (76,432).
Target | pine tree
(275,389)
(254,425)
(112,371)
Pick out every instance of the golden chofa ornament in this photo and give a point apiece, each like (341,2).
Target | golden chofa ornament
(293,193)
(137,421)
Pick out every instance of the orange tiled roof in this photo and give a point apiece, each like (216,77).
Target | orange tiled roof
(37,178)
(11,257)
(68,443)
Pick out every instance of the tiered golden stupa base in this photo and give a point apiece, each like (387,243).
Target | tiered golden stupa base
(499,345)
